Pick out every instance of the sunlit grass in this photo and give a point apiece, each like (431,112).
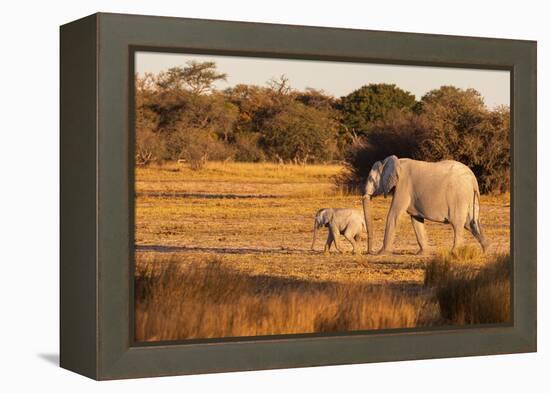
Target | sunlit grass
(470,293)
(208,300)
(231,171)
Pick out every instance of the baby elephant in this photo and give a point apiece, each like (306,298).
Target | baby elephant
(348,222)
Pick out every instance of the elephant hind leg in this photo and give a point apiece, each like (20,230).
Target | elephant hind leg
(458,231)
(458,220)
(350,237)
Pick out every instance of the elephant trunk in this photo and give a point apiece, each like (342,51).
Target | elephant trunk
(314,235)
(368,222)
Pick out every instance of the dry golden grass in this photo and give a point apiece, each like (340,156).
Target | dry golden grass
(468,293)
(256,220)
(235,171)
(208,300)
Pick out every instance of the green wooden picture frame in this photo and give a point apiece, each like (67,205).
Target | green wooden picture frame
(97,194)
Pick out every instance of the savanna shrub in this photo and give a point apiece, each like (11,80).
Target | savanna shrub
(197,147)
(462,128)
(149,147)
(247,148)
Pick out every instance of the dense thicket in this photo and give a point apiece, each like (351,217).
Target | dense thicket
(180,115)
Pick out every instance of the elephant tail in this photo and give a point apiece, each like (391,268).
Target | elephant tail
(475,224)
(475,207)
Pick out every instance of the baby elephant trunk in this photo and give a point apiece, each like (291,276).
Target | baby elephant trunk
(368,222)
(314,235)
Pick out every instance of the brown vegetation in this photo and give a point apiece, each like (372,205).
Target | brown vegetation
(470,294)
(209,300)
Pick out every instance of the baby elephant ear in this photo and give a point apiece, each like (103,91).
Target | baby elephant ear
(321,216)
(377,166)
(390,174)
(328,213)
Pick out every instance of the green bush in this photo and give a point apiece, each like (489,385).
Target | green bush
(371,103)
(300,133)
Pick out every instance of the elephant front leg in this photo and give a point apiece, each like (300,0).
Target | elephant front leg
(389,233)
(399,204)
(328,244)
(420,231)
(334,231)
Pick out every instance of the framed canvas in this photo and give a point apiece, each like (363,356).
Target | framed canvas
(201,161)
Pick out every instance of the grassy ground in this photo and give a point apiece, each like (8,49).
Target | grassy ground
(256,220)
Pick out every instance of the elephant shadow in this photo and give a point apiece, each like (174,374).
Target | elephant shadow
(221,250)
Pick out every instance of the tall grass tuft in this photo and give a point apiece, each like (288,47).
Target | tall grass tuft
(470,294)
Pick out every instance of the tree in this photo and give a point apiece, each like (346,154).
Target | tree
(280,85)
(197,77)
(149,147)
(462,128)
(300,133)
(175,118)
(452,114)
(254,105)
(493,161)
(370,103)
(315,98)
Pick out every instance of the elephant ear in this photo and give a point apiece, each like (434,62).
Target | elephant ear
(328,215)
(373,180)
(377,167)
(390,174)
(323,216)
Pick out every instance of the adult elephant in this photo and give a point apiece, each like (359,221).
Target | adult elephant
(444,191)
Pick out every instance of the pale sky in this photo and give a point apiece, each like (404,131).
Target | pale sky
(338,78)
